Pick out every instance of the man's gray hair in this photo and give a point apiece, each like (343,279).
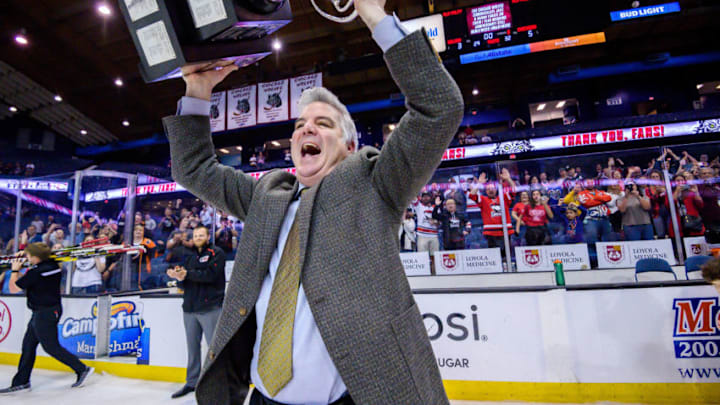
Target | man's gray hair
(323,95)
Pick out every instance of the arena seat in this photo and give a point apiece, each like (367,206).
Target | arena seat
(653,265)
(694,264)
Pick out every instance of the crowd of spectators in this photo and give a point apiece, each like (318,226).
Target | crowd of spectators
(614,201)
(17,169)
(167,240)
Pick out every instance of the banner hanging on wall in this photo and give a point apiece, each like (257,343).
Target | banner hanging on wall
(297,86)
(242,107)
(273,102)
(217,112)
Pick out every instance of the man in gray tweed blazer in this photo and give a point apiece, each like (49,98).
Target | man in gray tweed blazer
(358,335)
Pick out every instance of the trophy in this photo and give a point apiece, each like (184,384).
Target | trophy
(170,34)
(340,8)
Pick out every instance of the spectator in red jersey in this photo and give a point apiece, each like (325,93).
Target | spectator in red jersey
(492,211)
(517,212)
(536,216)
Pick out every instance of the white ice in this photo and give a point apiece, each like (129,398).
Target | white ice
(53,388)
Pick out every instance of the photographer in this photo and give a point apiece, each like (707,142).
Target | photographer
(635,208)
(203,279)
(168,223)
(42,285)
(689,203)
(224,235)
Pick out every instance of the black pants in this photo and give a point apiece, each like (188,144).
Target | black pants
(42,329)
(535,235)
(256,398)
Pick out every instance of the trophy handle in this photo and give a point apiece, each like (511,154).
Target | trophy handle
(336,3)
(344,8)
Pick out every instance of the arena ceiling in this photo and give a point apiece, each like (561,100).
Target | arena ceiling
(77,53)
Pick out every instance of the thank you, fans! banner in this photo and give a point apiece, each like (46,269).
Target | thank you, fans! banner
(217,112)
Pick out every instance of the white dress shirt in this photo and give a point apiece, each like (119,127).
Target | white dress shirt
(315,380)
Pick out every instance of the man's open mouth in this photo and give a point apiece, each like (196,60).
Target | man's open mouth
(310,149)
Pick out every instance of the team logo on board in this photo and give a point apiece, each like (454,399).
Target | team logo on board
(449,261)
(532,257)
(614,253)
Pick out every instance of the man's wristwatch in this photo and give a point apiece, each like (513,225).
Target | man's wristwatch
(14,271)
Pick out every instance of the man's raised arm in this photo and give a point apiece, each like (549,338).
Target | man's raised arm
(194,164)
(435,108)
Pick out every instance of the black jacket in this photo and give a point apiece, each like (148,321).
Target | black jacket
(204,283)
(453,225)
(41,282)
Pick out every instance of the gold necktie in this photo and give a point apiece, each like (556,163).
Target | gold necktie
(275,357)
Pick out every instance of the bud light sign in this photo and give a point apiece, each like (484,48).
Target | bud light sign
(697,328)
(128,332)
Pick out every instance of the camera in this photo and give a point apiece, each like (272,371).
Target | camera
(172,33)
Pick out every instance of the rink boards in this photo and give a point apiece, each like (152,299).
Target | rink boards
(642,345)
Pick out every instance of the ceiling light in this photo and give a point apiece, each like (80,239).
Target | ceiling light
(560,104)
(238,147)
(13,108)
(126,123)
(83,132)
(58,98)
(104,9)
(21,39)
(541,107)
(699,86)
(275,143)
(224,150)
(717,87)
(651,98)
(118,82)
(391,127)
(276,45)
(475,92)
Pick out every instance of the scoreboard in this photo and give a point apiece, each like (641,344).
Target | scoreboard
(506,28)
(491,26)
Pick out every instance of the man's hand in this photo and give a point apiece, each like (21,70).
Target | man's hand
(17,261)
(483,178)
(201,78)
(181,273)
(370,11)
(505,174)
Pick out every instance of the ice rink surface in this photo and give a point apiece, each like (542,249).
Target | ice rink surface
(53,388)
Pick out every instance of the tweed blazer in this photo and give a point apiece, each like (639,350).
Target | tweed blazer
(351,270)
